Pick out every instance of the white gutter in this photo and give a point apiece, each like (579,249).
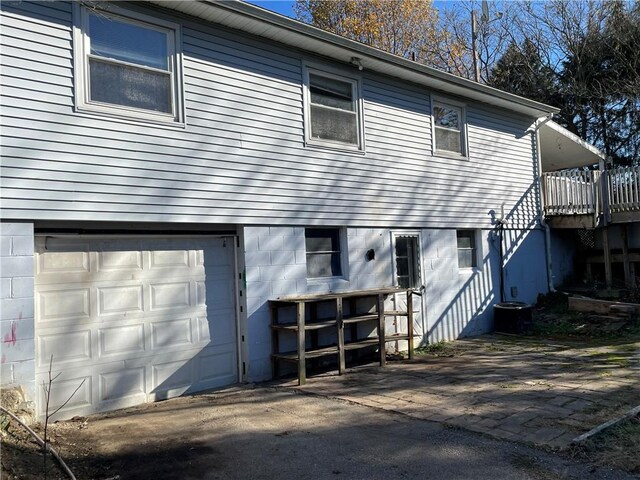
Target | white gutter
(547,230)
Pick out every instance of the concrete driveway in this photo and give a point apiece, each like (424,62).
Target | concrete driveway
(274,433)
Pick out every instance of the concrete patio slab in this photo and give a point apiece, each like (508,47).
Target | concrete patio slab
(514,388)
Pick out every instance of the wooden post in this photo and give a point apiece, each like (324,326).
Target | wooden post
(381,330)
(608,276)
(340,327)
(275,342)
(410,322)
(629,279)
(302,364)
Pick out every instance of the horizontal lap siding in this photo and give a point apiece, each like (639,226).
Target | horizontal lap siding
(241,157)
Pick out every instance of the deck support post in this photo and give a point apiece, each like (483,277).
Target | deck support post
(629,274)
(302,364)
(608,275)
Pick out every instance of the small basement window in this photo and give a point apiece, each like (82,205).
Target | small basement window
(467,250)
(332,111)
(127,65)
(448,129)
(324,255)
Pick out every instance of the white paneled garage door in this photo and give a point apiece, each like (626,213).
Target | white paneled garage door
(135,319)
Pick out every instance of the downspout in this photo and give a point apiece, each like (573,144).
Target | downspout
(543,223)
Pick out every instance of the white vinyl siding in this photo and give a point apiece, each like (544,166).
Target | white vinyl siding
(127,65)
(241,158)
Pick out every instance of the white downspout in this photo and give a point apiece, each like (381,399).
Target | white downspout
(543,223)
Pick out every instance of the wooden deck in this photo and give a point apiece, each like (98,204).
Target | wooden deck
(580,198)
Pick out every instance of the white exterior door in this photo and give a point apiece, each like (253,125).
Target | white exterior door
(133,320)
(407,268)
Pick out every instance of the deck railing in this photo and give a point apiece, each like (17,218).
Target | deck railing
(571,192)
(577,191)
(624,189)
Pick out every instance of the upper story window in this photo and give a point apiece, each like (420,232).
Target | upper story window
(127,65)
(448,126)
(324,252)
(467,249)
(332,110)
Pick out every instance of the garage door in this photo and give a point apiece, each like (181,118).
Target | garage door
(132,320)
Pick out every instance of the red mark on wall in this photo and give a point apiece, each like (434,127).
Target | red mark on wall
(3,359)
(11,337)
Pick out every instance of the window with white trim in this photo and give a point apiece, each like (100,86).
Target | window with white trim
(324,252)
(332,110)
(467,249)
(127,65)
(448,126)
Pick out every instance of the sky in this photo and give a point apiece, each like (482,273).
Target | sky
(285,7)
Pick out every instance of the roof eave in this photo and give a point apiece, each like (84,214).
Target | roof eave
(259,21)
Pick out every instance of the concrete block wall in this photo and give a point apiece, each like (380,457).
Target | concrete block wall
(275,265)
(458,302)
(17,345)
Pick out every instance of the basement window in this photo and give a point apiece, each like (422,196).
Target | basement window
(127,65)
(467,249)
(324,252)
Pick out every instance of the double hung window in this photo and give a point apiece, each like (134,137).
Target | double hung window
(127,65)
(448,129)
(333,116)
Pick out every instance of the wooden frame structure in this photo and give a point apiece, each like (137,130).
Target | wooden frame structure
(313,323)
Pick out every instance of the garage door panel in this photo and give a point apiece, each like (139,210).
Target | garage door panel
(59,304)
(214,327)
(216,368)
(124,340)
(141,319)
(170,295)
(64,348)
(174,259)
(120,261)
(122,384)
(120,300)
(62,389)
(171,333)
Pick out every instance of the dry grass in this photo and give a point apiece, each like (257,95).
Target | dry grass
(618,446)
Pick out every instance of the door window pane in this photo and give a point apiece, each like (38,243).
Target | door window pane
(407,262)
